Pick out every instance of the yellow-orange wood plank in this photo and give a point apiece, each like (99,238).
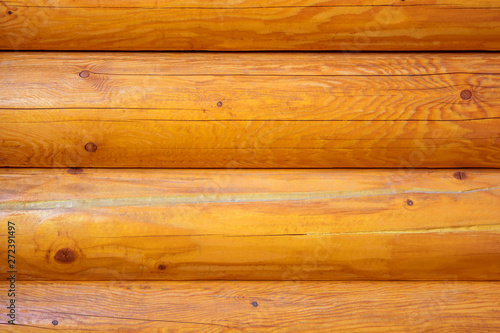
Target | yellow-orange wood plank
(112,224)
(235,25)
(445,307)
(254,110)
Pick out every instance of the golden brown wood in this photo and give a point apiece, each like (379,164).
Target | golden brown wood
(469,307)
(91,224)
(249,110)
(236,25)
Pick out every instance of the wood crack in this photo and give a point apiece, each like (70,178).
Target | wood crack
(136,319)
(443,6)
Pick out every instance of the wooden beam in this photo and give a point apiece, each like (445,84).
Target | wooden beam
(256,306)
(236,25)
(111,224)
(249,110)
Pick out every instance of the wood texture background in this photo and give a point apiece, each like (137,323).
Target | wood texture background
(243,25)
(447,307)
(249,110)
(100,249)
(87,224)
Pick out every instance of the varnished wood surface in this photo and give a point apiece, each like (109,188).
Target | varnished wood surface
(236,25)
(254,110)
(111,224)
(447,307)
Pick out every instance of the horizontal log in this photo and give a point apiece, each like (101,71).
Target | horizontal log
(252,110)
(112,224)
(235,25)
(470,307)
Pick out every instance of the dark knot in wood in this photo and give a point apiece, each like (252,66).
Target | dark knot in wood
(65,256)
(91,147)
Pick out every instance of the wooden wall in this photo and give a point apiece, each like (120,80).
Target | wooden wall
(255,306)
(87,224)
(253,110)
(291,165)
(250,25)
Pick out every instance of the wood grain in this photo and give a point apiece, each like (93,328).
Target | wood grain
(236,25)
(255,110)
(110,224)
(257,307)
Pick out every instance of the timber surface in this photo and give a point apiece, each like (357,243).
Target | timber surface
(445,307)
(256,110)
(111,224)
(245,25)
